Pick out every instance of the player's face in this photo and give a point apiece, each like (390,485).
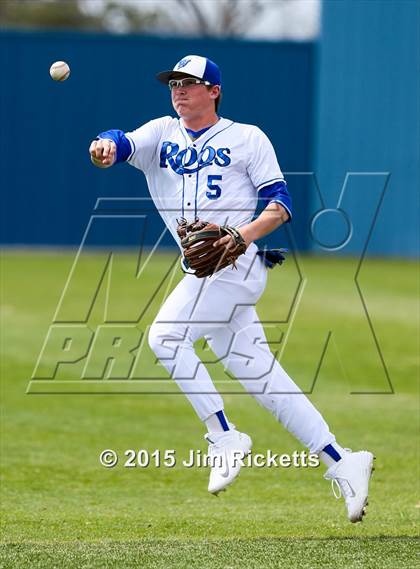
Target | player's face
(194,100)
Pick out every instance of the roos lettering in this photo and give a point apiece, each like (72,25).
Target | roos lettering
(189,161)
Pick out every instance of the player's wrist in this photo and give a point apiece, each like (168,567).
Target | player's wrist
(247,234)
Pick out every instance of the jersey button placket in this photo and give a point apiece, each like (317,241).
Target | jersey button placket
(190,184)
(189,195)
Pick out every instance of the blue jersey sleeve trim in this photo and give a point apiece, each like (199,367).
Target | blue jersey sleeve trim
(133,147)
(121,141)
(277,193)
(269,182)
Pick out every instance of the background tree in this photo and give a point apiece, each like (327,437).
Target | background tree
(268,19)
(108,15)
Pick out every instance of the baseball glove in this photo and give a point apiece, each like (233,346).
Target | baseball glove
(197,239)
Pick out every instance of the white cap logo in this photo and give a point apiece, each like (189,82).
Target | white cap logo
(182,63)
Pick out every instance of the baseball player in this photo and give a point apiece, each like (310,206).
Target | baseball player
(205,175)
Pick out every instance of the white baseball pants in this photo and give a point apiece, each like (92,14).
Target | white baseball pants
(221,309)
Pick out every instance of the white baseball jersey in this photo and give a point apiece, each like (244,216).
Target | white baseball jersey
(215,177)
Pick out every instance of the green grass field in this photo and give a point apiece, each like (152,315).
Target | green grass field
(61,508)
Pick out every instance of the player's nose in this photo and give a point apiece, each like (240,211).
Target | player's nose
(179,90)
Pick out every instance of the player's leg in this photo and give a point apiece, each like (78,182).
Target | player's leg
(172,338)
(243,349)
(193,309)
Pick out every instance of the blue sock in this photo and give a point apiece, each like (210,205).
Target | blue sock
(330,450)
(221,416)
(217,423)
(332,453)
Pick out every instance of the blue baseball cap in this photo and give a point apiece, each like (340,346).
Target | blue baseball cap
(194,66)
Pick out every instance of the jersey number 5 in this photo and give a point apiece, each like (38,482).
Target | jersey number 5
(214,191)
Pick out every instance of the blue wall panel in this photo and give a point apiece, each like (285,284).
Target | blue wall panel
(48,186)
(368,121)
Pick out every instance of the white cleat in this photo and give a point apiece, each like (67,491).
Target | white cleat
(226,453)
(351,476)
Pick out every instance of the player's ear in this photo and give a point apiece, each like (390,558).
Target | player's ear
(215,94)
(215,91)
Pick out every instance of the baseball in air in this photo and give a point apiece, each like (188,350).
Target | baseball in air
(59,71)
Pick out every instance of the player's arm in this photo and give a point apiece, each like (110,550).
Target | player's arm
(269,219)
(278,210)
(137,147)
(110,147)
(267,178)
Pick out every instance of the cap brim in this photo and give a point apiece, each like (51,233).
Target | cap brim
(166,76)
